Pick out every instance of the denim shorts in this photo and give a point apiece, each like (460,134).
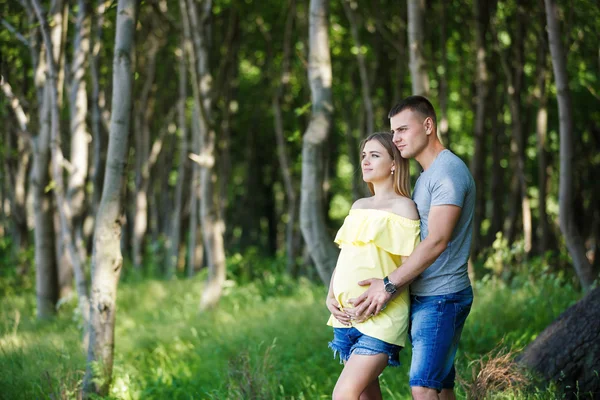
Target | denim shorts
(347,341)
(436,323)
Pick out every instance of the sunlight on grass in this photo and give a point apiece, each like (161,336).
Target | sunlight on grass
(266,339)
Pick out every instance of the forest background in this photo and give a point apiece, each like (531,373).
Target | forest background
(173,173)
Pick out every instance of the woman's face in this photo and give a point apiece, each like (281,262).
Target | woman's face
(377,164)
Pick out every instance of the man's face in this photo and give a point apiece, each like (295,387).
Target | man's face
(410,135)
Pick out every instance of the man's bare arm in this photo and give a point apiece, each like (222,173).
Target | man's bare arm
(442,220)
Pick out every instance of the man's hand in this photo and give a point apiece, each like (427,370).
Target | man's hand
(371,302)
(334,308)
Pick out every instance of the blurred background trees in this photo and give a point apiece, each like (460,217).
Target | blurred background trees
(245,121)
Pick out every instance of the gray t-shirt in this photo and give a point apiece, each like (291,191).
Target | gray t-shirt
(446,181)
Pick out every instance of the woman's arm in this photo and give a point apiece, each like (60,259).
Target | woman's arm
(334,307)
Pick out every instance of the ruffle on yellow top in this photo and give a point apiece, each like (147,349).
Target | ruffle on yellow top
(390,232)
(374,243)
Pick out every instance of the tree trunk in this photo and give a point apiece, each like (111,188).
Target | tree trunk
(175,227)
(284,163)
(194,250)
(497,187)
(568,226)
(212,224)
(542,133)
(312,219)
(98,137)
(107,260)
(46,276)
(67,236)
(416,36)
(365,85)
(18,186)
(568,350)
(142,150)
(443,91)
(79,151)
(513,65)
(481,82)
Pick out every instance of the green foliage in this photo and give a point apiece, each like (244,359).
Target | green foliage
(267,339)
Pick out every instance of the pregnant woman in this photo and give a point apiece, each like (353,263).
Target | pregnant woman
(377,235)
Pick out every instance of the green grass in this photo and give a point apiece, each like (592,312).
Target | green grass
(267,340)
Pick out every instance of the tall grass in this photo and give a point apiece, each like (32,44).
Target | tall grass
(267,340)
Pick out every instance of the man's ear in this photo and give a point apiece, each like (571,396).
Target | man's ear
(428,125)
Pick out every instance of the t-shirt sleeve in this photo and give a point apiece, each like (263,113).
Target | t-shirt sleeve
(449,188)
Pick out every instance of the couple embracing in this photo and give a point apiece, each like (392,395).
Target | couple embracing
(390,241)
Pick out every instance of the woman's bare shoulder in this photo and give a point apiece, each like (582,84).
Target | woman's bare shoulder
(365,202)
(405,207)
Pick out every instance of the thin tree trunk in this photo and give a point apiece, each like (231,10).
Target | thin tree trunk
(107,260)
(541,133)
(98,138)
(477,163)
(514,78)
(571,233)
(18,187)
(443,91)
(67,236)
(79,147)
(497,187)
(212,224)
(142,146)
(416,36)
(365,84)
(46,276)
(312,219)
(282,155)
(175,228)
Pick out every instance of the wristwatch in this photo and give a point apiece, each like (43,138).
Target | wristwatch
(389,286)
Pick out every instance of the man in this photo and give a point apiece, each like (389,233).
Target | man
(441,293)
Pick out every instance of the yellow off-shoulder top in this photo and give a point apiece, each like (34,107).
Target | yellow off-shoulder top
(373,244)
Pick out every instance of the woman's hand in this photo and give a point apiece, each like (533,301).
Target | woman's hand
(334,307)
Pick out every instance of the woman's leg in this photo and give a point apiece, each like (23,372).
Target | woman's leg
(372,392)
(359,373)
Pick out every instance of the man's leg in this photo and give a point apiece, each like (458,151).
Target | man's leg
(436,325)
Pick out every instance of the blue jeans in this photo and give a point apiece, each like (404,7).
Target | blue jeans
(436,323)
(348,341)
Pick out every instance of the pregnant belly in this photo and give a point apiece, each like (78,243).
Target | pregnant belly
(346,287)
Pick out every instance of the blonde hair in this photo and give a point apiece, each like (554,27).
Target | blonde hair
(401,175)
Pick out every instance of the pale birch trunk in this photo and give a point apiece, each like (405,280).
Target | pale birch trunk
(312,218)
(365,85)
(18,187)
(194,250)
(63,208)
(212,224)
(175,226)
(569,228)
(47,290)
(416,36)
(107,260)
(80,139)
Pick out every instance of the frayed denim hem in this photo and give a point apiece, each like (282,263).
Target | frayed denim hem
(337,352)
(360,351)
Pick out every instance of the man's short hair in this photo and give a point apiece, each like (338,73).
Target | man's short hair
(419,104)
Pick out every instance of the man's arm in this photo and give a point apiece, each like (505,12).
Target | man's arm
(442,220)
